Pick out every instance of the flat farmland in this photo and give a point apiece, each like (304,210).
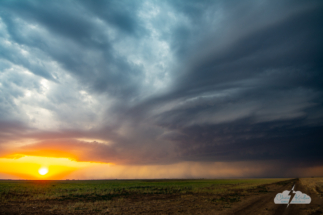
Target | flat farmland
(221,196)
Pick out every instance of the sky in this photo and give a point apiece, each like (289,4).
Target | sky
(161,89)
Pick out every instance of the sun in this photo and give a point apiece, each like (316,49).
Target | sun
(43,171)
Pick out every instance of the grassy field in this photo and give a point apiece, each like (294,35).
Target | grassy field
(315,184)
(127,196)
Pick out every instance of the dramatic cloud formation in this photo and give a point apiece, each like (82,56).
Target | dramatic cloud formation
(164,82)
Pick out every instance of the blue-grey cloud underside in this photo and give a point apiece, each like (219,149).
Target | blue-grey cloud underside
(142,82)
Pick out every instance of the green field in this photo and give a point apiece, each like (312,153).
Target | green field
(124,196)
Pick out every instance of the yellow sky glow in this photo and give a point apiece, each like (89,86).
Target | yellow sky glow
(33,167)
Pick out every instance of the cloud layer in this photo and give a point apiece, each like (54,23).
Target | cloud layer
(148,82)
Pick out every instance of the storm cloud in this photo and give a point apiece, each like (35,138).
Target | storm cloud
(163,82)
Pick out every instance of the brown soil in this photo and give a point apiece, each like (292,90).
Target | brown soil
(259,200)
(264,204)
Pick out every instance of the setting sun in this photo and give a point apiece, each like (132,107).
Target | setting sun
(43,171)
(37,167)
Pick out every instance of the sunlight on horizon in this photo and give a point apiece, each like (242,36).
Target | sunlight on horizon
(43,171)
(38,167)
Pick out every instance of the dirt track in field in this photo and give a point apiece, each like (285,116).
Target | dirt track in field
(264,204)
(258,200)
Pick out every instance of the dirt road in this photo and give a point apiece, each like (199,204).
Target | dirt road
(264,204)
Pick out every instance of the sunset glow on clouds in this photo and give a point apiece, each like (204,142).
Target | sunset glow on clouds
(161,89)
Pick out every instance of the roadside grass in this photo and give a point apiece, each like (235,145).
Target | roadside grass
(315,184)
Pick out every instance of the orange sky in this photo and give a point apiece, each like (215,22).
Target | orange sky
(27,167)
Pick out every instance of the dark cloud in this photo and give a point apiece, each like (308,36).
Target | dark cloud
(163,82)
(120,14)
(73,37)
